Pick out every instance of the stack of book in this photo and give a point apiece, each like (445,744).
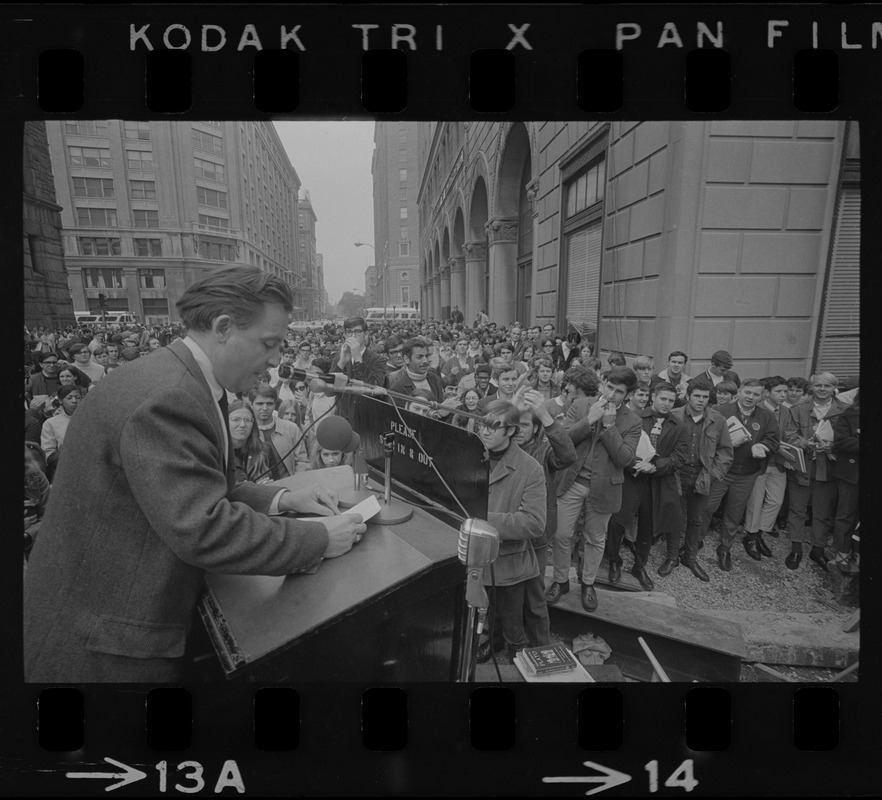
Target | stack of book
(737,432)
(551,664)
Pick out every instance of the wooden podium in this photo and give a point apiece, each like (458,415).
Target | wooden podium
(389,610)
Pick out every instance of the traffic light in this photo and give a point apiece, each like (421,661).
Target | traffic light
(102,301)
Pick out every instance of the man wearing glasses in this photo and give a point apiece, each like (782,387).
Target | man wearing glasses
(394,348)
(516,508)
(46,381)
(357,361)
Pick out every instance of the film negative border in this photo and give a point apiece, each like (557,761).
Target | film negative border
(438,62)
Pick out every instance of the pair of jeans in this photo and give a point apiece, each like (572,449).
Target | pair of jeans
(506,615)
(694,507)
(735,490)
(536,623)
(823,496)
(569,506)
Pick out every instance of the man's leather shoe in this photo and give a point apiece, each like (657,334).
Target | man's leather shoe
(697,570)
(724,559)
(554,592)
(773,533)
(589,598)
(615,571)
(794,557)
(749,542)
(764,549)
(816,554)
(484,650)
(668,567)
(642,576)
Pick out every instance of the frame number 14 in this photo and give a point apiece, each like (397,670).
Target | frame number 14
(680,778)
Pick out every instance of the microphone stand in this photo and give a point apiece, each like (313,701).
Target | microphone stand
(392,511)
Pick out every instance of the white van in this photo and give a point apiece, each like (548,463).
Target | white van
(391,314)
(113,319)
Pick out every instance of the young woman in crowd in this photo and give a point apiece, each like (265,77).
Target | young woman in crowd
(250,452)
(55,427)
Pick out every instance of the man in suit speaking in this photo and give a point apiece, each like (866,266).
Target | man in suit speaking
(144,501)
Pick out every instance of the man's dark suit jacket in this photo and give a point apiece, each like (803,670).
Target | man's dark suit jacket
(142,505)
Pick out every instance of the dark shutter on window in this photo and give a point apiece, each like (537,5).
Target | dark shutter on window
(839,346)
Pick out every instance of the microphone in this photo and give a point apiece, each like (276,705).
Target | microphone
(356,387)
(478,546)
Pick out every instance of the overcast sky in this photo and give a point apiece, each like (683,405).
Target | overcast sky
(333,160)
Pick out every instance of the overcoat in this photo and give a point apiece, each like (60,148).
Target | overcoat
(671,452)
(516,508)
(113,581)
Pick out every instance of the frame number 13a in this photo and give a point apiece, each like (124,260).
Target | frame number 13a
(680,778)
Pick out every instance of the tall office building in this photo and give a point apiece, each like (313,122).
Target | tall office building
(46,294)
(306,220)
(148,208)
(396,226)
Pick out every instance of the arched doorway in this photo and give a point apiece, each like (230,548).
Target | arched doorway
(475,249)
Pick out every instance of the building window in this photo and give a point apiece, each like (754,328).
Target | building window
(582,248)
(586,190)
(93,187)
(155,310)
(404,248)
(405,294)
(402,193)
(88,156)
(217,251)
(402,175)
(402,212)
(145,218)
(402,156)
(148,248)
(209,170)
(137,130)
(151,278)
(104,279)
(98,246)
(402,233)
(86,128)
(142,190)
(402,135)
(215,124)
(208,143)
(214,222)
(211,197)
(141,160)
(96,217)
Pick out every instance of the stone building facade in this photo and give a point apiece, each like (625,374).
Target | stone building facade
(148,208)
(308,261)
(648,237)
(47,299)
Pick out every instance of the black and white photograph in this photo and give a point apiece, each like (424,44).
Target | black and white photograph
(448,401)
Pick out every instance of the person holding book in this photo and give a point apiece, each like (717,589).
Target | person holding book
(754,435)
(516,508)
(810,426)
(767,496)
(846,445)
(650,491)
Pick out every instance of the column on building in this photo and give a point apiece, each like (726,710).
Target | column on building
(457,283)
(533,197)
(424,299)
(475,260)
(428,309)
(502,234)
(436,295)
(445,290)
(133,289)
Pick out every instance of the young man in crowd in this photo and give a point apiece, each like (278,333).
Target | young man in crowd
(720,369)
(516,508)
(357,362)
(82,358)
(46,381)
(393,347)
(605,434)
(650,491)
(767,496)
(459,364)
(709,458)
(805,428)
(675,374)
(506,376)
(415,374)
(288,447)
(755,438)
(543,438)
(639,398)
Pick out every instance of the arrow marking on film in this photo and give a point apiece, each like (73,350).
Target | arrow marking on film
(607,780)
(128,775)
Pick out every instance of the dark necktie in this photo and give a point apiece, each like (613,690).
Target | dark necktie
(225,412)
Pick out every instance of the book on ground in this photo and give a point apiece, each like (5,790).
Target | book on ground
(576,675)
(549,658)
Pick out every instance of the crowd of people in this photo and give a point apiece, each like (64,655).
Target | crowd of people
(587,454)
